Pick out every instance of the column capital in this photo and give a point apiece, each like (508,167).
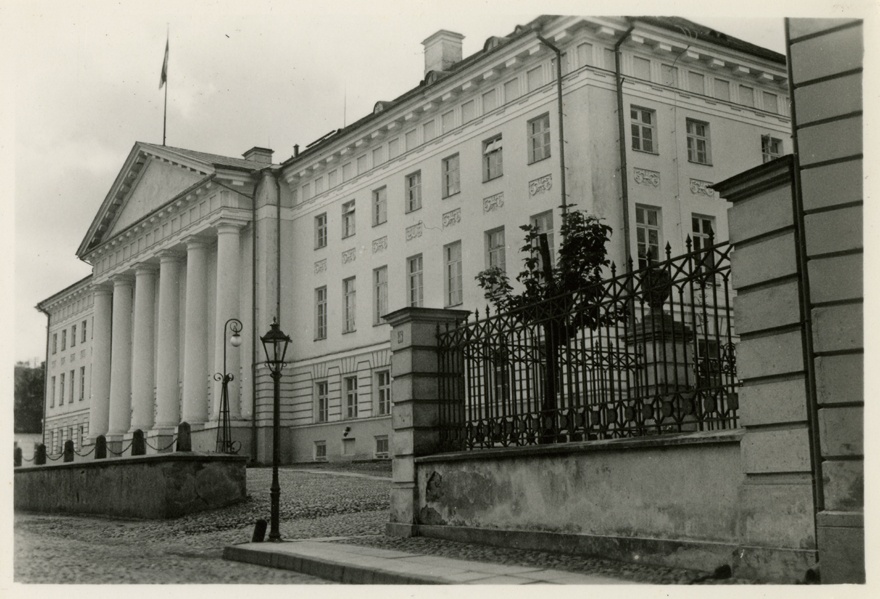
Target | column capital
(122,280)
(102,289)
(196,243)
(146,268)
(226,226)
(169,256)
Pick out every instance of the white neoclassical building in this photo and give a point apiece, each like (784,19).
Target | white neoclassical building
(403,207)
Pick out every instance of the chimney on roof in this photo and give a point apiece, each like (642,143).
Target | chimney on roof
(258,154)
(442,50)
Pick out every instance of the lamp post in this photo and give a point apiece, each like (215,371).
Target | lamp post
(225,444)
(275,345)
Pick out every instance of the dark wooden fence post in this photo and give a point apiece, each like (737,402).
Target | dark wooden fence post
(40,454)
(184,439)
(68,450)
(138,445)
(101,447)
(17,456)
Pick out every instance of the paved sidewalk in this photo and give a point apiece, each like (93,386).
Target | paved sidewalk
(356,564)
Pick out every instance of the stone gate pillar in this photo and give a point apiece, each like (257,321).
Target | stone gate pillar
(415,413)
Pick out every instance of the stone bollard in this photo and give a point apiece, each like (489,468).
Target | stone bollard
(17,456)
(184,437)
(39,455)
(138,444)
(101,447)
(68,450)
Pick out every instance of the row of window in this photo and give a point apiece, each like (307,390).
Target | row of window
(350,396)
(72,337)
(453,286)
(538,131)
(649,236)
(643,129)
(57,437)
(70,385)
(380,451)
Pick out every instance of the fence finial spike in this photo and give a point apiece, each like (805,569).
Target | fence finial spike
(687,243)
(668,251)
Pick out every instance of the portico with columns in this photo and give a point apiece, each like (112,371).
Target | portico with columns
(172,253)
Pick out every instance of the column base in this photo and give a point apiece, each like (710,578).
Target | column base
(114,444)
(161,440)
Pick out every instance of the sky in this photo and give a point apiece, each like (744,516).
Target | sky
(81,85)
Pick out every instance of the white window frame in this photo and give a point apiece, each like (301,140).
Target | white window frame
(82,383)
(322,401)
(415,281)
(350,388)
(61,390)
(496,249)
(383,392)
(321,231)
(451,175)
(383,440)
(349,225)
(538,130)
(73,336)
(320,451)
(644,228)
(643,132)
(380,206)
(543,222)
(380,294)
(493,158)
(413,191)
(321,313)
(349,305)
(699,145)
(453,271)
(768,142)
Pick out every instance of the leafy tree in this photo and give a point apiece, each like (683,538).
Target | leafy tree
(28,410)
(562,298)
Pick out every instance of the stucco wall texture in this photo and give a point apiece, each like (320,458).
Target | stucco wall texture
(150,487)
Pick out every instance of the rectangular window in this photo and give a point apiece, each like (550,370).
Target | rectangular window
(383,391)
(54,343)
(332,178)
(493,166)
(72,386)
(746,96)
(490,102)
(346,172)
(642,68)
(61,391)
(82,383)
(319,185)
(544,224)
(380,205)
(414,191)
(378,155)
(348,224)
(380,294)
(362,164)
(648,234)
(322,400)
(415,281)
(722,89)
(321,313)
(411,140)
(452,260)
(467,112)
(321,231)
(451,176)
(83,328)
(394,148)
(698,142)
(428,132)
(351,397)
(349,305)
(63,339)
(608,56)
(771,148)
(382,447)
(73,336)
(585,54)
(535,78)
(52,394)
(702,231)
(320,451)
(696,82)
(708,363)
(771,103)
(447,121)
(669,75)
(643,126)
(495,248)
(539,138)
(511,90)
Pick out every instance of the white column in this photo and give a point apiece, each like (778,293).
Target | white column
(99,404)
(228,281)
(143,375)
(167,363)
(195,354)
(120,365)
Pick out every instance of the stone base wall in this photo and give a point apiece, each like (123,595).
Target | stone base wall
(150,487)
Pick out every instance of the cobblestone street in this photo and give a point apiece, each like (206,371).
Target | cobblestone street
(73,549)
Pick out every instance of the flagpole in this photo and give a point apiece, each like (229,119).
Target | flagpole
(163,81)
(165,114)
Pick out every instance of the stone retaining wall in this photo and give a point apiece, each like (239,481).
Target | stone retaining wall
(152,486)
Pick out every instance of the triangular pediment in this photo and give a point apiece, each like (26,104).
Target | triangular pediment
(156,183)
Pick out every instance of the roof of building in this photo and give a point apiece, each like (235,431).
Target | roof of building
(214,159)
(41,306)
(676,24)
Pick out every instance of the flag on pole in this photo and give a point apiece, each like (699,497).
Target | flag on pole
(163,78)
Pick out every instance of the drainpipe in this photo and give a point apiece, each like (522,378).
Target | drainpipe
(558,52)
(45,370)
(254,347)
(621,126)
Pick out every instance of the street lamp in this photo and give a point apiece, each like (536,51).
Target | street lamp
(225,444)
(275,345)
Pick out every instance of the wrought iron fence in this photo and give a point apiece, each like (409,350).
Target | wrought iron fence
(647,352)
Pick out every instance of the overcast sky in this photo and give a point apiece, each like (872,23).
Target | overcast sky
(81,86)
